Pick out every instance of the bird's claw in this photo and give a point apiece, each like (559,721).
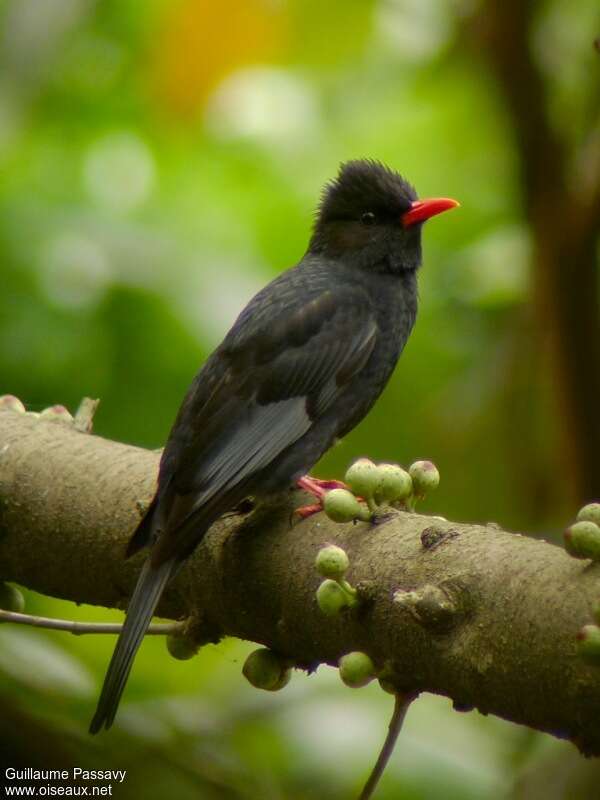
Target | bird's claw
(307,511)
(318,488)
(328,484)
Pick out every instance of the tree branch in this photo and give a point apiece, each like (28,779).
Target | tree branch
(485,617)
(79,628)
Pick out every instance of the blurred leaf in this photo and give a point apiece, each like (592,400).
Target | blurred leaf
(32,659)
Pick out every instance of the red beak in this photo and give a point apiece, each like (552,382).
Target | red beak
(421,210)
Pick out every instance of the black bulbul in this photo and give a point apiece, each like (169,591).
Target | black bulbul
(301,366)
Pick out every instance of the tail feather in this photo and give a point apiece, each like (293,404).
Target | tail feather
(144,600)
(143,534)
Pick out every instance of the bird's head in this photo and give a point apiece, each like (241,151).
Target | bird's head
(371,217)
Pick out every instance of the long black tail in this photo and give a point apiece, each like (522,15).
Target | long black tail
(145,598)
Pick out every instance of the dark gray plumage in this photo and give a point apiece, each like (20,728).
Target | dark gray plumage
(302,365)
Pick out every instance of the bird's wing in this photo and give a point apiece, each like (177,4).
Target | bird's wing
(266,390)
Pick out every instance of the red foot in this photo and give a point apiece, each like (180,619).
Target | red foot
(327,484)
(312,486)
(318,488)
(308,511)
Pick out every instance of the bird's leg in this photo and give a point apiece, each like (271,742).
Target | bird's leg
(318,488)
(307,511)
(324,484)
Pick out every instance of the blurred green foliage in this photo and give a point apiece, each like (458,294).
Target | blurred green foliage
(159,163)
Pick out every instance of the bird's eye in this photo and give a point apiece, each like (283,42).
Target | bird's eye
(368,218)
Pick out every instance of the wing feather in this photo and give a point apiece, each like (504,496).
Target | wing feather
(271,387)
(265,431)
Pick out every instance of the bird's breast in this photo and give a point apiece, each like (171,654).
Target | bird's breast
(396,314)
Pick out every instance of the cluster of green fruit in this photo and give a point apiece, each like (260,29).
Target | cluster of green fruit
(582,539)
(334,593)
(265,669)
(588,641)
(379,484)
(369,486)
(11,598)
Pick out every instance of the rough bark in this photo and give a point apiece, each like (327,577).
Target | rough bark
(485,617)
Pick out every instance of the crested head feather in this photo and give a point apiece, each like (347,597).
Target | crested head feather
(365,185)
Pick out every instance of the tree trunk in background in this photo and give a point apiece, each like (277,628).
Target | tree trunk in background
(561,198)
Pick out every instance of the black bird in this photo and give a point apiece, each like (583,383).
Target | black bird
(302,365)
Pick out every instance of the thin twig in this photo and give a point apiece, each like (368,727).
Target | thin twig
(401,704)
(79,628)
(85,414)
